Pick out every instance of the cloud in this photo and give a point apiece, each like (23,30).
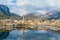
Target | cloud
(41,11)
(23,12)
(50,2)
(30,2)
(16,5)
(18,11)
(22,2)
(5,2)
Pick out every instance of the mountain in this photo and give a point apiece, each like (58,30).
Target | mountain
(55,14)
(6,14)
(4,9)
(35,16)
(16,16)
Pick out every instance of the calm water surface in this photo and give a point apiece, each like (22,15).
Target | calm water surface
(32,35)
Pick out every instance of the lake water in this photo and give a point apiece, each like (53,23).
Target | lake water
(32,35)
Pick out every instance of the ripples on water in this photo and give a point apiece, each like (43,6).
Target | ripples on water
(32,35)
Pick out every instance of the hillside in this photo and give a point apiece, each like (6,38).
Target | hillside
(54,14)
(35,16)
(6,14)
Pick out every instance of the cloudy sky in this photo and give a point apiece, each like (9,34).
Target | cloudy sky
(23,7)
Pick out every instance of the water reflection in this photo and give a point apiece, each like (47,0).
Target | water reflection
(29,35)
(32,35)
(4,35)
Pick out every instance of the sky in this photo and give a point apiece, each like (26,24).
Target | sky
(23,7)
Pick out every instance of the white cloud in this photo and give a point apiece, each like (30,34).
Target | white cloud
(21,2)
(41,11)
(24,2)
(15,7)
(18,11)
(23,12)
(6,2)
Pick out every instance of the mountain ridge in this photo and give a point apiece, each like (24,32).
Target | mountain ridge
(6,14)
(54,14)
